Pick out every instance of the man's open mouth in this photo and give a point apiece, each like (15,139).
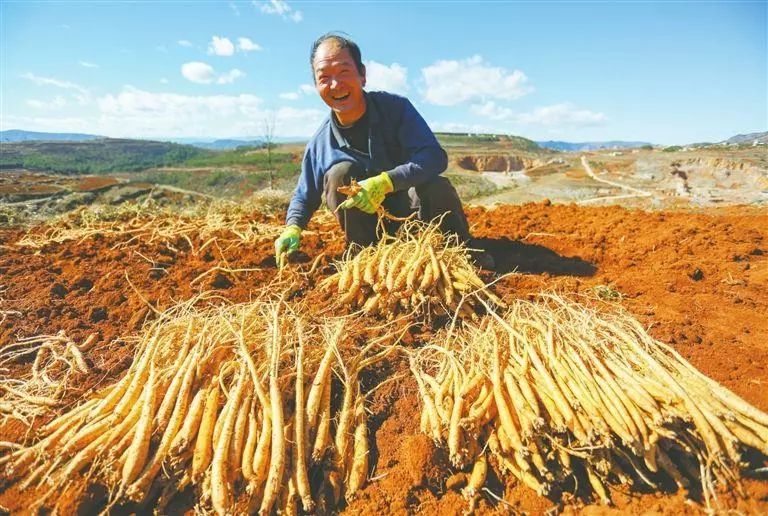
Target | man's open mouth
(343,97)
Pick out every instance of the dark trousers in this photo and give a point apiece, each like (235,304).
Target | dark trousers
(431,199)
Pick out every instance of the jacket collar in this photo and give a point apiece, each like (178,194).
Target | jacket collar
(373,119)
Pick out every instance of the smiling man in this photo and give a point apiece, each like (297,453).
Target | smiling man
(378,139)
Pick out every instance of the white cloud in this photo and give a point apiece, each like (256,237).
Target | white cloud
(134,112)
(49,124)
(233,6)
(185,43)
(247,45)
(302,90)
(149,114)
(162,48)
(292,121)
(392,78)
(88,64)
(452,82)
(221,46)
(58,102)
(50,81)
(81,95)
(65,26)
(562,114)
(143,114)
(164,80)
(230,76)
(203,73)
(280,8)
(493,111)
(198,72)
(461,127)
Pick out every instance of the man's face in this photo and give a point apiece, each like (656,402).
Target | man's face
(338,82)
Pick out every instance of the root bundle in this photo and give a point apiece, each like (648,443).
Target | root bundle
(56,359)
(559,396)
(238,402)
(223,223)
(420,270)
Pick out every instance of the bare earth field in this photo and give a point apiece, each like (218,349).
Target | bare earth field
(697,278)
(638,178)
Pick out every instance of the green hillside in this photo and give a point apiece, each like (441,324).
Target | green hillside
(97,156)
(488,140)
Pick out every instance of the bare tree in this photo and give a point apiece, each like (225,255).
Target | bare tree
(269,141)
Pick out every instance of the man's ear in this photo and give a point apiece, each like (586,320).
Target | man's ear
(362,73)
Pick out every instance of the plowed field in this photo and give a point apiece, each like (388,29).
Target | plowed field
(698,279)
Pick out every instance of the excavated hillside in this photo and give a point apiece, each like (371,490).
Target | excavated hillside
(497,162)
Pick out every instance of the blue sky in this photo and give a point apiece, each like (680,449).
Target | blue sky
(665,72)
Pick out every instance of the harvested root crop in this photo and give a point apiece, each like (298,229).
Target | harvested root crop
(420,270)
(562,396)
(212,223)
(238,401)
(56,359)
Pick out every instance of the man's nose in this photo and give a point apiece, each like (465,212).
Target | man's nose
(334,83)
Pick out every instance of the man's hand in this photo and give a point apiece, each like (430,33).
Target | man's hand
(372,193)
(288,241)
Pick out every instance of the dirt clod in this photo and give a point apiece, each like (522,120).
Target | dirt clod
(97,314)
(58,290)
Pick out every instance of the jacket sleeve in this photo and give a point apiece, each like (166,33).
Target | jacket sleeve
(308,194)
(425,157)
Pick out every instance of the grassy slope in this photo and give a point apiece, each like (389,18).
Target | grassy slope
(95,157)
(231,173)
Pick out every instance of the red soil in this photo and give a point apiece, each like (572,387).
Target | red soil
(698,279)
(90,183)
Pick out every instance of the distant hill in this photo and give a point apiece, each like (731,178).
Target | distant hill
(95,156)
(748,138)
(502,140)
(233,142)
(17,135)
(227,144)
(586,146)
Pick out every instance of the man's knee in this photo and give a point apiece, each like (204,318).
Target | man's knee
(336,176)
(340,174)
(438,197)
(436,190)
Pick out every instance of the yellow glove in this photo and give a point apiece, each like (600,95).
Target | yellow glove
(372,194)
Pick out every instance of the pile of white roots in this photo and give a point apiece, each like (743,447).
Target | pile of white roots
(553,393)
(234,401)
(419,271)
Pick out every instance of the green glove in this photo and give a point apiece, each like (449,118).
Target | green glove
(371,196)
(288,241)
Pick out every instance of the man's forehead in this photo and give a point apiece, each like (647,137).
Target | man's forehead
(330,53)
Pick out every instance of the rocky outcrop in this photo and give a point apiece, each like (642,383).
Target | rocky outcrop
(496,162)
(723,163)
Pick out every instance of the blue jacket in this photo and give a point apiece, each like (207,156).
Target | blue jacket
(400,143)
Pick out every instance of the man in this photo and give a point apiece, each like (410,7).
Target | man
(378,139)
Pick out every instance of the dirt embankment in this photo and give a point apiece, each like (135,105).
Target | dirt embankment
(497,162)
(699,280)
